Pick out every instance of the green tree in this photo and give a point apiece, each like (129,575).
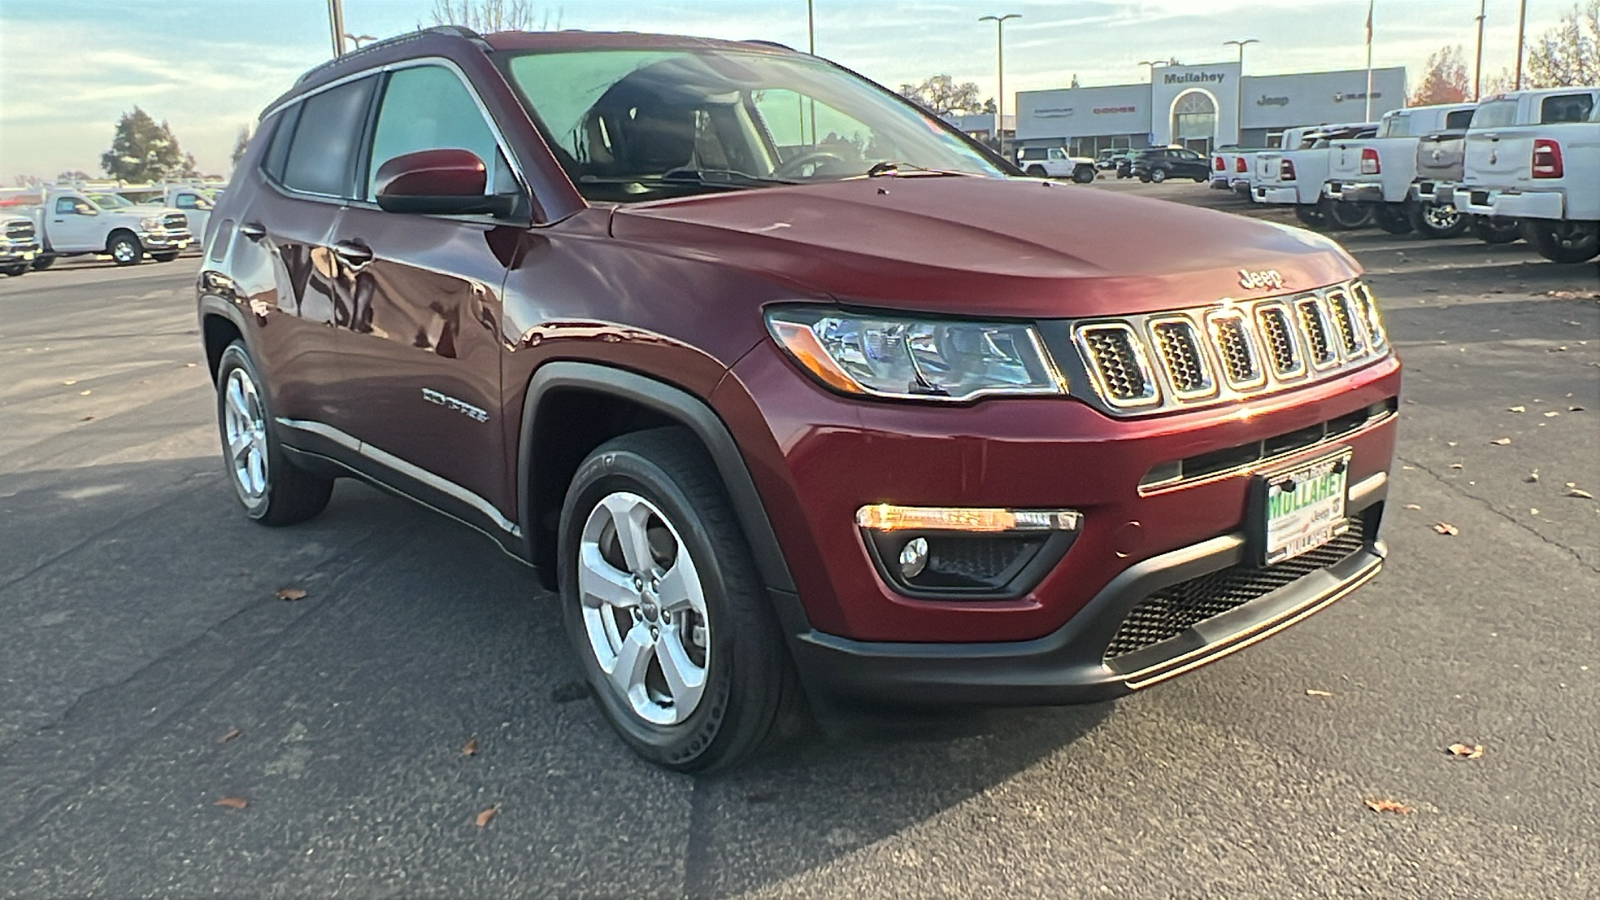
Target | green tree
(941,95)
(143,150)
(1567,55)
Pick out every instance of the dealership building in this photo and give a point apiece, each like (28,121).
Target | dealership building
(1201,107)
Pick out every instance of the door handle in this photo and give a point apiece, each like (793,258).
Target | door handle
(252,231)
(352,253)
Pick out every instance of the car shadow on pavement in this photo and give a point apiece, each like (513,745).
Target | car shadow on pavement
(370,727)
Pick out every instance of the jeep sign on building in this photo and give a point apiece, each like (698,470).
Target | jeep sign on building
(1199,107)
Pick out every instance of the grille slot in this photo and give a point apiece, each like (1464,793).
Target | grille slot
(175,222)
(1117,357)
(1178,346)
(1236,347)
(20,231)
(1314,324)
(1368,306)
(1351,340)
(1173,610)
(1278,333)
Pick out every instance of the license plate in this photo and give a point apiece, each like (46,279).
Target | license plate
(1304,507)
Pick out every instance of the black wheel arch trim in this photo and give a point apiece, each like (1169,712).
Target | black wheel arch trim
(694,414)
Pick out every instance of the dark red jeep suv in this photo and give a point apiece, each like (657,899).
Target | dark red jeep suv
(787,387)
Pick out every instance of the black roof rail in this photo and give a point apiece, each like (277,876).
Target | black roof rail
(762,42)
(459,31)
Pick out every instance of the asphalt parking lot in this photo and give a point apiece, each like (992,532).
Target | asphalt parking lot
(148,669)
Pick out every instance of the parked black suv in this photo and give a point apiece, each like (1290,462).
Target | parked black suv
(1160,163)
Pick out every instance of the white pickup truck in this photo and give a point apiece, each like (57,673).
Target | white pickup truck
(71,222)
(1230,168)
(1295,175)
(1379,170)
(1054,162)
(19,244)
(1535,156)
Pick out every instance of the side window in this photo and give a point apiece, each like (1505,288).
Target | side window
(428,108)
(321,157)
(1458,120)
(186,201)
(66,206)
(283,133)
(1566,108)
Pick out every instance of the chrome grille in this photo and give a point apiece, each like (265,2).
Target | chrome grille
(1236,347)
(1117,358)
(1278,333)
(1314,322)
(1227,350)
(1178,346)
(1351,340)
(20,231)
(175,222)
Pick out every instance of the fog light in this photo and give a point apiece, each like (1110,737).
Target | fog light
(884,517)
(914,557)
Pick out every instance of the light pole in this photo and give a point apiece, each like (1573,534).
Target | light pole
(1522,27)
(1000,87)
(1238,110)
(1154,64)
(1477,67)
(336,25)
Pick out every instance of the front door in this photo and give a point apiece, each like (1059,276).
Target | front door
(74,225)
(421,350)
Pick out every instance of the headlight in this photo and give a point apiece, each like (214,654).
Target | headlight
(150,224)
(920,359)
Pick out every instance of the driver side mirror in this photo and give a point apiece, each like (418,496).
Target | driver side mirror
(439,182)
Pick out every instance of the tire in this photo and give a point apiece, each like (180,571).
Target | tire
(1311,215)
(1493,230)
(1346,216)
(125,249)
(272,489)
(43,262)
(663,486)
(1158,175)
(1083,174)
(14,271)
(168,256)
(1392,218)
(1035,171)
(1438,220)
(1202,178)
(1563,242)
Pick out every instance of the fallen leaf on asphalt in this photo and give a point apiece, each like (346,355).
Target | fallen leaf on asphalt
(1533,511)
(69,383)
(1412,506)
(1316,693)
(87,419)
(1500,442)
(189,365)
(1518,409)
(1551,414)
(1466,751)
(1446,528)
(230,736)
(1450,443)
(471,749)
(484,817)
(1574,409)
(84,393)
(1456,466)
(1580,494)
(1532,477)
(1392,806)
(291,594)
(233,802)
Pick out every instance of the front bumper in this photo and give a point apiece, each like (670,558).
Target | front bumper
(1510,204)
(1290,195)
(1437,193)
(1070,665)
(13,252)
(165,240)
(1353,192)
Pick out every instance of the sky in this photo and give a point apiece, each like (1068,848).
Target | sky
(70,68)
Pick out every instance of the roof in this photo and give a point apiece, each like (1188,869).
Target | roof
(617,40)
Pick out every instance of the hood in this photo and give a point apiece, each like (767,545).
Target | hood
(986,246)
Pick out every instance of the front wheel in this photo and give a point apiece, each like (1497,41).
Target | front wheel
(1392,218)
(14,271)
(168,256)
(43,262)
(125,249)
(1564,242)
(1035,171)
(1158,175)
(273,490)
(1496,229)
(664,609)
(1438,220)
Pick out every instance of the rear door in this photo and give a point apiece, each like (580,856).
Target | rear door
(422,347)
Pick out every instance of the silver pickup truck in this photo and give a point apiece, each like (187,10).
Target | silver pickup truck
(1380,171)
(71,222)
(19,244)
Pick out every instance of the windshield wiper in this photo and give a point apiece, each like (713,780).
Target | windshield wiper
(890,167)
(721,177)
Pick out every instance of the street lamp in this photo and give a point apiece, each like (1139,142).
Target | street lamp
(1000,87)
(1238,110)
(1154,64)
(359,39)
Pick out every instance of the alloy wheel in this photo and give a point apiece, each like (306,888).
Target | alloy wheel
(644,608)
(245,427)
(1440,216)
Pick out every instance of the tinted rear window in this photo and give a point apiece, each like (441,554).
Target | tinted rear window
(1566,108)
(1458,120)
(322,156)
(1495,114)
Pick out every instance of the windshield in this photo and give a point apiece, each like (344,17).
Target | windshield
(109,201)
(631,125)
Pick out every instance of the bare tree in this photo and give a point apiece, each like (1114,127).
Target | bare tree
(494,15)
(1568,54)
(240,144)
(1444,79)
(941,96)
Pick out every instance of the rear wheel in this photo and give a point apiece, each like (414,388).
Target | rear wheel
(664,609)
(1564,242)
(1438,220)
(273,490)
(1392,217)
(1035,171)
(1496,229)
(1083,174)
(1158,175)
(1346,216)
(125,249)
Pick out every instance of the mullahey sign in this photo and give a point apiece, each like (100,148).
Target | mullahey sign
(1193,78)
